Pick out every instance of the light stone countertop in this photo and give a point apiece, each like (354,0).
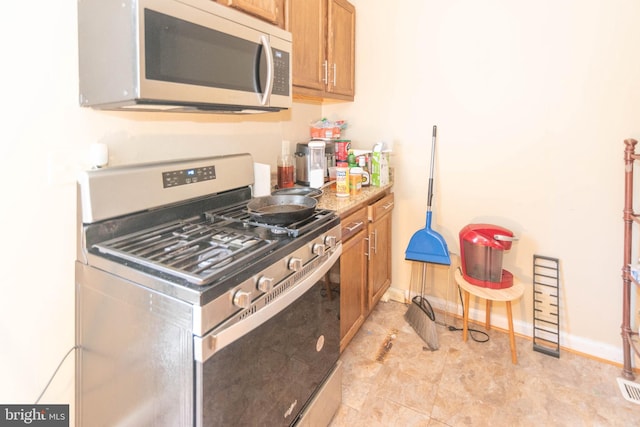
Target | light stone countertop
(342,205)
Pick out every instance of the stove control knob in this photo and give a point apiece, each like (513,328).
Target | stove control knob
(295,264)
(318,249)
(265,284)
(242,299)
(330,241)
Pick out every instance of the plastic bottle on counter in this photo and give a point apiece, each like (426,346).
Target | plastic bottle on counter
(286,177)
(342,181)
(355,181)
(351,159)
(366,178)
(317,163)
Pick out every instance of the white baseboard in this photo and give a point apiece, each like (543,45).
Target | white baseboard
(397,295)
(574,343)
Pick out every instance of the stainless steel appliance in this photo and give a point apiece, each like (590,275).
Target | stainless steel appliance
(305,163)
(190,312)
(180,56)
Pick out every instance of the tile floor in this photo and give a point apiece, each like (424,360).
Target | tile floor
(471,384)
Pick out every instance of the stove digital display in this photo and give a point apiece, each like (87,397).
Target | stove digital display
(188,176)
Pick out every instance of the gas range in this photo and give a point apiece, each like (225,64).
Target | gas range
(201,247)
(190,312)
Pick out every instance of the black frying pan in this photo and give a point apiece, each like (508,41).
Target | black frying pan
(298,191)
(281,209)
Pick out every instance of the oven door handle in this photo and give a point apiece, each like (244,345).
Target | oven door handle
(216,340)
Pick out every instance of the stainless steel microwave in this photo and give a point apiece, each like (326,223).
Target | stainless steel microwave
(180,55)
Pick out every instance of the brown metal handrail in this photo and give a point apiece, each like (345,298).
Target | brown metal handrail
(629,217)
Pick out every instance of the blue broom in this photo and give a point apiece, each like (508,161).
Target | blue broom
(426,246)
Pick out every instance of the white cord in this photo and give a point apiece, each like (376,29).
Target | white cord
(55,372)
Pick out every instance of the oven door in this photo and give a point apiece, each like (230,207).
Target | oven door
(266,372)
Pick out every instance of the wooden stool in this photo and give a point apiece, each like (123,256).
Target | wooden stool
(507,295)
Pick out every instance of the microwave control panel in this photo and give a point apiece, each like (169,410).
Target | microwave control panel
(281,66)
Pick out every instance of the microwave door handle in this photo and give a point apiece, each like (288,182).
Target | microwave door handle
(270,67)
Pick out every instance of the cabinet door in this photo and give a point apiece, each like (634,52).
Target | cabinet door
(269,10)
(307,26)
(379,271)
(353,277)
(341,38)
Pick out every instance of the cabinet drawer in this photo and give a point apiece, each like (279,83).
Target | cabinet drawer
(353,224)
(381,208)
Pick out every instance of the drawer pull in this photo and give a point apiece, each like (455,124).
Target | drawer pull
(368,252)
(387,206)
(356,226)
(325,67)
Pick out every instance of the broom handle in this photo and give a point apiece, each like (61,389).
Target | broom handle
(424,280)
(433,152)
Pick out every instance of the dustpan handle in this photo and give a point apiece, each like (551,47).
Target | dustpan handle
(433,152)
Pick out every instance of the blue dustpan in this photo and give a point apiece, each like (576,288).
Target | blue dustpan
(426,245)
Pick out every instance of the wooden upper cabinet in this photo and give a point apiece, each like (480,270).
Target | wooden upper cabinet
(341,47)
(323,34)
(308,30)
(273,11)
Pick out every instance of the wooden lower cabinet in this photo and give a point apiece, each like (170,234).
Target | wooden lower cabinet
(379,271)
(353,275)
(365,264)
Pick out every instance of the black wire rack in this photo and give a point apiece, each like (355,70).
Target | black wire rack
(546,305)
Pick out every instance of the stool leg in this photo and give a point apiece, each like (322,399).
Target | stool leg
(487,323)
(512,338)
(465,317)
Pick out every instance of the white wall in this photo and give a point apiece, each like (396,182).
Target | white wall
(533,101)
(46,140)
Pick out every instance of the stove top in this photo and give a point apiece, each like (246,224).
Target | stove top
(182,228)
(204,248)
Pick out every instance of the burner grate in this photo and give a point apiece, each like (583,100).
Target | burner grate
(293,229)
(195,249)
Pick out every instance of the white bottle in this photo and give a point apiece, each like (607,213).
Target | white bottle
(316,164)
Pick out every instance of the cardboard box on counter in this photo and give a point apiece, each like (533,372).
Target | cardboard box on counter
(379,168)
